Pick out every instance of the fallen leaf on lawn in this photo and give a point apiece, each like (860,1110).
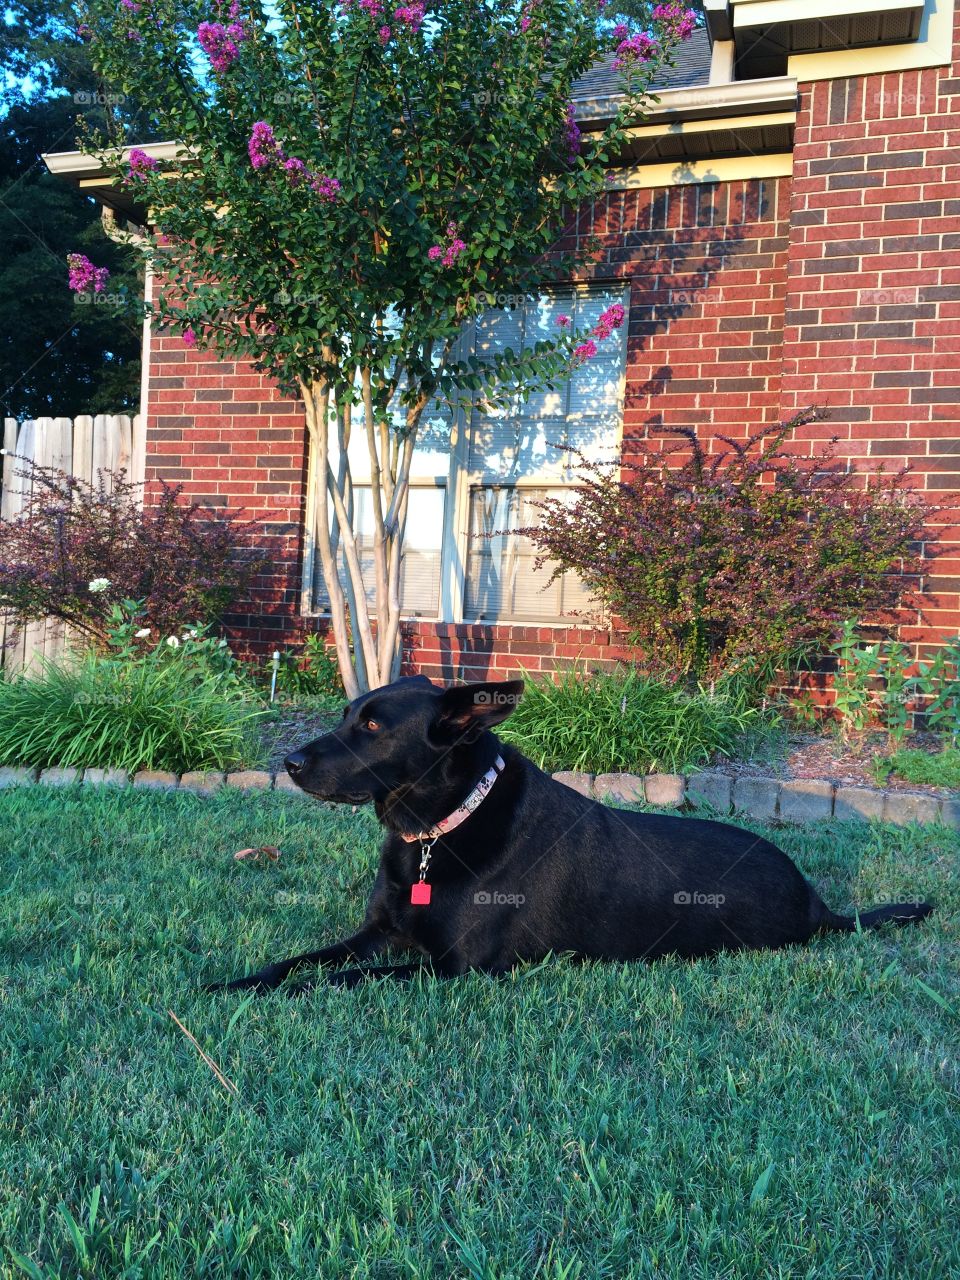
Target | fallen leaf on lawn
(263,852)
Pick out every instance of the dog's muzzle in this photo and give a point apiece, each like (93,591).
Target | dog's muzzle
(295,763)
(297,766)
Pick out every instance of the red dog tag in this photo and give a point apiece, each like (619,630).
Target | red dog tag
(420,894)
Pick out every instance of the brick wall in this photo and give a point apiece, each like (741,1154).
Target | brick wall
(221,431)
(706,268)
(872,326)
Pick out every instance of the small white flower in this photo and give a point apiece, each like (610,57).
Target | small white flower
(191,634)
(98,584)
(173,642)
(142,633)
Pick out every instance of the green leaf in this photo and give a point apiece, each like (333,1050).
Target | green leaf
(762,1184)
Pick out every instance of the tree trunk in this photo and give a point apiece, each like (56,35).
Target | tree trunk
(316,399)
(367,638)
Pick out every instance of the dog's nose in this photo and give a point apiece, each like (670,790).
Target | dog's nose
(295,762)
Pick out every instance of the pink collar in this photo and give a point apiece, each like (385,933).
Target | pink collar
(473,800)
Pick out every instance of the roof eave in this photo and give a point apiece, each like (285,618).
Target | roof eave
(699,102)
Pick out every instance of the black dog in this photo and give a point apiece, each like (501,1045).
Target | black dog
(528,866)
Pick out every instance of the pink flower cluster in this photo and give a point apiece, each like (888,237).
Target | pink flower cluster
(326,188)
(638,48)
(571,134)
(527,15)
(263,148)
(221,44)
(84,275)
(410,15)
(296,171)
(609,320)
(140,164)
(447,254)
(189,337)
(681,22)
(265,152)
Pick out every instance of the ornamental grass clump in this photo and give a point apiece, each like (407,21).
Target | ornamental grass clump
(739,562)
(624,721)
(158,712)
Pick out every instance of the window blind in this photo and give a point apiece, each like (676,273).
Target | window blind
(501,582)
(421,560)
(531,441)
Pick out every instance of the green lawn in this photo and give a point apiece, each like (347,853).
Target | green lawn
(782,1114)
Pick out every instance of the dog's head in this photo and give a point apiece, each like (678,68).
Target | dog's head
(394,736)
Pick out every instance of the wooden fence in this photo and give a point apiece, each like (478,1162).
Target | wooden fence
(82,446)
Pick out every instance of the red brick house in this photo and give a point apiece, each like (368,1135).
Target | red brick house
(784,230)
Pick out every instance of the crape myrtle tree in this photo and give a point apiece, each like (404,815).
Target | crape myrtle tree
(357,182)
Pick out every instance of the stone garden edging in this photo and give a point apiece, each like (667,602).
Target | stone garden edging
(801,800)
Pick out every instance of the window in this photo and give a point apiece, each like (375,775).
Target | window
(519,455)
(420,564)
(501,583)
(479,475)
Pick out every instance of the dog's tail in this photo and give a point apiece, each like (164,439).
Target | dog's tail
(897,913)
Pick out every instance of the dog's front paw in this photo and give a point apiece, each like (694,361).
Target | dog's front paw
(260,982)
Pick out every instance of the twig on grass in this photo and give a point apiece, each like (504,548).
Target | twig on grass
(230,1087)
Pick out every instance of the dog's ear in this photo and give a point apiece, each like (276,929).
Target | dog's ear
(465,711)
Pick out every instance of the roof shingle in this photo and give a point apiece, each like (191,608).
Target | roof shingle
(692,67)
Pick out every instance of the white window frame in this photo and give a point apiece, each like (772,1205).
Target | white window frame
(458,482)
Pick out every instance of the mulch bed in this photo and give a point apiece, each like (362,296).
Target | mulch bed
(820,755)
(292,727)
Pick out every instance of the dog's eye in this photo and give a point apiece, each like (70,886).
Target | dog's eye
(371,725)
